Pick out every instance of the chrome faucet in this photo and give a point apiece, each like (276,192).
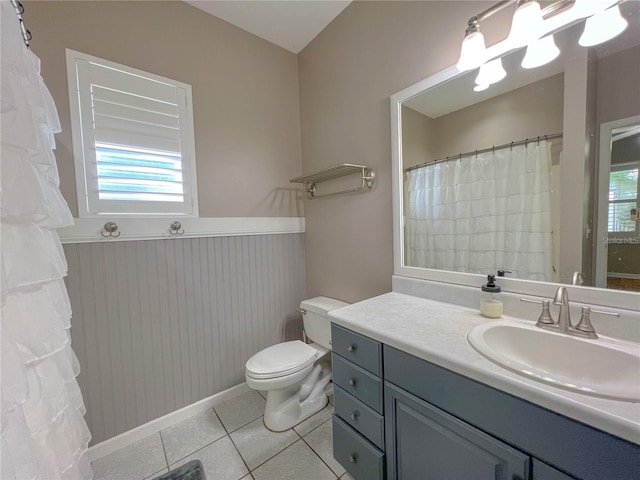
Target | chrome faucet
(564,317)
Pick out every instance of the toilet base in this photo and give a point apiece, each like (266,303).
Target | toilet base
(285,409)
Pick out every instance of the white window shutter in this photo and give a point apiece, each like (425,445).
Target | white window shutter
(137,141)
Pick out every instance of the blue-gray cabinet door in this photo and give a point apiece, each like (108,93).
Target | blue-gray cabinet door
(426,443)
(542,471)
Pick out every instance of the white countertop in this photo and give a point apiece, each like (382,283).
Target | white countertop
(436,332)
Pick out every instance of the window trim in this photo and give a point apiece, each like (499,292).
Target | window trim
(627,234)
(83,165)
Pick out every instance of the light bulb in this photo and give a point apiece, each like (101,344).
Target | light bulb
(491,72)
(540,52)
(480,88)
(603,26)
(526,25)
(473,50)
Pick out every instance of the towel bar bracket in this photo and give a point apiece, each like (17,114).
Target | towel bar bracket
(367,179)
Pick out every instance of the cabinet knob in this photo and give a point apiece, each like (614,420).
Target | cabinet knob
(354,415)
(351,347)
(352,382)
(352,458)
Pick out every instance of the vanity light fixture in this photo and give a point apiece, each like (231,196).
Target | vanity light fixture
(491,72)
(480,88)
(540,52)
(533,26)
(603,26)
(526,25)
(473,50)
(586,8)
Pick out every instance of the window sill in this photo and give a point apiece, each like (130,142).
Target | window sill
(89,230)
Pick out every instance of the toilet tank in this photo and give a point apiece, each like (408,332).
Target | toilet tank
(317,326)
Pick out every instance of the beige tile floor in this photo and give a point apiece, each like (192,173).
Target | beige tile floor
(233,444)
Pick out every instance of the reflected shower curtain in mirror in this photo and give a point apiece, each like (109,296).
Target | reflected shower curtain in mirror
(43,432)
(482,213)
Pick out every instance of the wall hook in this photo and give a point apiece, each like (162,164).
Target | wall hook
(112,230)
(174,228)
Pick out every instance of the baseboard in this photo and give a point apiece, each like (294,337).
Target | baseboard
(112,444)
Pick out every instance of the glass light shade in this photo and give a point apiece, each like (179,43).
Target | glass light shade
(603,26)
(491,72)
(526,25)
(540,52)
(586,8)
(472,53)
(480,88)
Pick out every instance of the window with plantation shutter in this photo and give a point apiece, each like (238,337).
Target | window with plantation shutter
(623,197)
(133,140)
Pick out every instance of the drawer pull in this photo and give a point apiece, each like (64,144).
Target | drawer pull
(352,347)
(352,382)
(354,416)
(353,458)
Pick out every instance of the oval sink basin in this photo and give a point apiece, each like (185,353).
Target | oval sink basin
(604,367)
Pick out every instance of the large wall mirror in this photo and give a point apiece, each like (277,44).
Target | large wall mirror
(535,176)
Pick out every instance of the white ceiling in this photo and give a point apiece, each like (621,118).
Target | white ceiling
(290,24)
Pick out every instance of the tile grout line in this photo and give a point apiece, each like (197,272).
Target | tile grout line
(283,449)
(164,451)
(204,446)
(275,454)
(199,449)
(317,454)
(241,457)
(220,420)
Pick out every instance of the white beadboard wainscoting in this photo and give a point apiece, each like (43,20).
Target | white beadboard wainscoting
(160,324)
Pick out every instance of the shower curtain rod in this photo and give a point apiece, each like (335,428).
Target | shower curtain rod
(485,150)
(26,34)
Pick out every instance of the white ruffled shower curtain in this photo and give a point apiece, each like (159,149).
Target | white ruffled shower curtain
(483,213)
(43,432)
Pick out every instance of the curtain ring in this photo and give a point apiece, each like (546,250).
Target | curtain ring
(18,7)
(511,147)
(526,142)
(493,149)
(26,34)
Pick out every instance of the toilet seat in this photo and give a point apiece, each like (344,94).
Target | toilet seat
(281,360)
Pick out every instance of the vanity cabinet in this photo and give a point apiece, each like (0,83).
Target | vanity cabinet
(482,421)
(358,423)
(428,443)
(432,423)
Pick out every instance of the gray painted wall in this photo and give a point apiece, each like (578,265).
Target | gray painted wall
(160,324)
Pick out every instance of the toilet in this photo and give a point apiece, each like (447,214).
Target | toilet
(294,374)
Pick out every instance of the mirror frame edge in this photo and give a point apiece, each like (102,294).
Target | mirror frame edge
(618,299)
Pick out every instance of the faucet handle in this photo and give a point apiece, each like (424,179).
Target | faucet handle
(545,317)
(585,326)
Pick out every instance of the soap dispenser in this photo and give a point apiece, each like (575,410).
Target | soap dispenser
(491,299)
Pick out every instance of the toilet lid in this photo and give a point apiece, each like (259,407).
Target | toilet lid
(280,359)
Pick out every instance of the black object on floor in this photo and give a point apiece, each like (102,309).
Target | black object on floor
(189,471)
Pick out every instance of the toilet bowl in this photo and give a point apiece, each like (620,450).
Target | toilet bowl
(294,374)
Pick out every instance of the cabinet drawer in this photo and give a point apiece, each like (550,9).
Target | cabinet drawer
(358,382)
(358,349)
(359,416)
(362,460)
